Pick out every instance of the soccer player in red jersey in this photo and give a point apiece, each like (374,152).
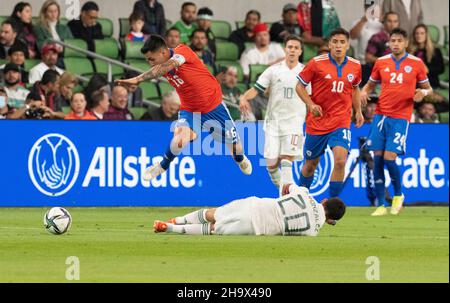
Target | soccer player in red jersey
(334,79)
(201,102)
(399,74)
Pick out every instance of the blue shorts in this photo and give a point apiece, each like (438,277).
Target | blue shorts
(315,145)
(217,122)
(388,134)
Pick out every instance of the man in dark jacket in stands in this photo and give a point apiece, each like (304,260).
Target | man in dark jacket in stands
(87,28)
(155,20)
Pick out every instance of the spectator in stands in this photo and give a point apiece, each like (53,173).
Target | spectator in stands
(17,94)
(135,95)
(137,23)
(22,17)
(16,55)
(50,54)
(100,104)
(363,29)
(173,37)
(426,113)
(287,26)
(8,39)
(97,82)
(87,28)
(5,109)
(422,47)
(67,83)
(119,105)
(78,105)
(154,17)
(168,111)
(409,12)
(264,52)
(378,43)
(317,18)
(48,89)
(186,25)
(32,102)
(230,93)
(369,110)
(204,21)
(245,34)
(49,26)
(199,41)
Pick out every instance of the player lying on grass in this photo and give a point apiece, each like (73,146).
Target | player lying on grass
(201,102)
(295,214)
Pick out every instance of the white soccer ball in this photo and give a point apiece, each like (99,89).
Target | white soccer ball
(57,220)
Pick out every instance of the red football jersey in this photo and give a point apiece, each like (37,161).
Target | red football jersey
(332,88)
(398,84)
(199,91)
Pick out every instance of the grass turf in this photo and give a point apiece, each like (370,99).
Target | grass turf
(118,245)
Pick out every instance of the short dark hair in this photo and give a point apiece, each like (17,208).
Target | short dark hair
(183,6)
(399,31)
(198,30)
(136,16)
(77,93)
(90,6)
(253,12)
(335,208)
(97,97)
(153,43)
(172,29)
(388,14)
(12,23)
(294,38)
(50,76)
(17,48)
(33,96)
(340,31)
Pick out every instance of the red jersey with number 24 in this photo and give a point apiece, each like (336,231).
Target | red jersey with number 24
(398,84)
(199,91)
(332,88)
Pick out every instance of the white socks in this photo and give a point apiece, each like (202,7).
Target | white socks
(196,217)
(274,176)
(190,229)
(286,172)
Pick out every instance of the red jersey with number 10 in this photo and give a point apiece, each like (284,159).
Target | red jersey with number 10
(398,84)
(199,91)
(332,88)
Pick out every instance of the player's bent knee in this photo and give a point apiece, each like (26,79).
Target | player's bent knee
(339,163)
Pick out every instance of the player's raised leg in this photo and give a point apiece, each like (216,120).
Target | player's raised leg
(183,136)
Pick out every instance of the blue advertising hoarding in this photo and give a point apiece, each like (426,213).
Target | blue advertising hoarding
(91,163)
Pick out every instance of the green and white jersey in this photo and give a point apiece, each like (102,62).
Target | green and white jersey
(296,214)
(286,112)
(17,98)
(185,30)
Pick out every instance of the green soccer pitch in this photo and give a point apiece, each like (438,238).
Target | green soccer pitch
(118,245)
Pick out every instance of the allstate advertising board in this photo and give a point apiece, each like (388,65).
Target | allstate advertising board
(92,163)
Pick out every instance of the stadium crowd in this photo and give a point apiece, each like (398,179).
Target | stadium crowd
(39,83)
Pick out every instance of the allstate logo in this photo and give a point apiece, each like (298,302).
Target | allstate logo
(321,175)
(53,164)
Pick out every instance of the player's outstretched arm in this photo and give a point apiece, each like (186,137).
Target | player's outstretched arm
(356,98)
(313,108)
(244,100)
(155,72)
(424,90)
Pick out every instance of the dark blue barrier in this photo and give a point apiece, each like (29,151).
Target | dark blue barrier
(91,163)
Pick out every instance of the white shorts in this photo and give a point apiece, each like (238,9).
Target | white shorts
(289,145)
(235,218)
